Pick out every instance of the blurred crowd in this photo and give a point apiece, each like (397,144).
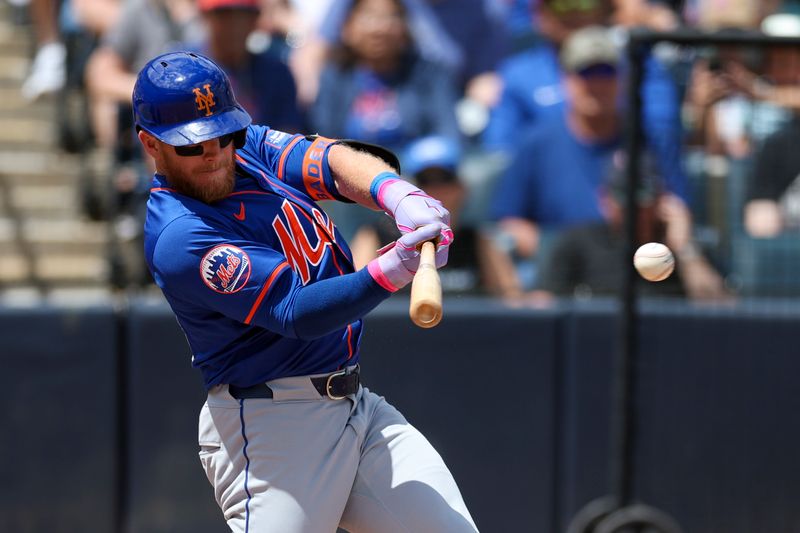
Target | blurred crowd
(512,112)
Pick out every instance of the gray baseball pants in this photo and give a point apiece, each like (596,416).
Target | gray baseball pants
(299,462)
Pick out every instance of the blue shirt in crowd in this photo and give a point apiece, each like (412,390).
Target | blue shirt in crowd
(266,89)
(554,179)
(416,101)
(534,89)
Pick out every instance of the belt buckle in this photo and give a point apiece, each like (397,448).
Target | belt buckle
(328,385)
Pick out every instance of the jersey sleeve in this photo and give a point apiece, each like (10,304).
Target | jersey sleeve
(254,284)
(298,161)
(219,271)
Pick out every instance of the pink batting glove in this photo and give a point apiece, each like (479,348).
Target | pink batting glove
(397,263)
(408,205)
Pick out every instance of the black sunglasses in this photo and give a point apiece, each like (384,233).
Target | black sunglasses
(598,71)
(191,150)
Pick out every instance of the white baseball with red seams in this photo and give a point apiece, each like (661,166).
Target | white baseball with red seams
(654,261)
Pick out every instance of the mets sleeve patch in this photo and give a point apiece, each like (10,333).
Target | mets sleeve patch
(225,269)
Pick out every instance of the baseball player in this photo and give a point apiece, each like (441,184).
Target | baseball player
(263,286)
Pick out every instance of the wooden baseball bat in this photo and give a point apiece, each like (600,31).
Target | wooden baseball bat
(425,309)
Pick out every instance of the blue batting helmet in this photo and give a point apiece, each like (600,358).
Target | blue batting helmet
(184,98)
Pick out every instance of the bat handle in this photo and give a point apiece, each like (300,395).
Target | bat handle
(425,308)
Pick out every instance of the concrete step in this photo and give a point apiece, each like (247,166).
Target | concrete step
(25,132)
(63,231)
(14,268)
(47,242)
(14,106)
(25,295)
(83,248)
(45,200)
(14,40)
(8,231)
(37,165)
(14,68)
(71,269)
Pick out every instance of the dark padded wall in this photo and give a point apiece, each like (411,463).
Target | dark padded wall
(718,417)
(481,386)
(517,401)
(168,491)
(58,420)
(589,338)
(716,437)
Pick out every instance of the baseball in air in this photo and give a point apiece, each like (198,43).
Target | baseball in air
(654,261)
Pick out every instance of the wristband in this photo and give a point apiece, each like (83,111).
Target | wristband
(377,183)
(390,189)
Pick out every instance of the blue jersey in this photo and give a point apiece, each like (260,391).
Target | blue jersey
(220,266)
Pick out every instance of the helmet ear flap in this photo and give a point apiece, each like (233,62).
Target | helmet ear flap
(239,138)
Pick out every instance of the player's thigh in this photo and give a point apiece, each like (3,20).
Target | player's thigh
(280,467)
(402,482)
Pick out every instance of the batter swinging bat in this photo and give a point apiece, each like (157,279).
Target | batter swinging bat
(426,290)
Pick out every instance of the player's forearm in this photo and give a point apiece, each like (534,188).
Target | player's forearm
(331,304)
(372,182)
(353,171)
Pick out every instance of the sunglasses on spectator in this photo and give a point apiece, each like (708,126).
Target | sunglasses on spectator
(598,71)
(191,150)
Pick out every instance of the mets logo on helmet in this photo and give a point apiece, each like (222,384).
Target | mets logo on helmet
(204,101)
(225,269)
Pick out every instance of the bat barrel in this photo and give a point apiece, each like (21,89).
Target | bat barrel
(425,308)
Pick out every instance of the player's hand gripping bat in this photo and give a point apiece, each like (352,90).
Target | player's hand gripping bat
(426,290)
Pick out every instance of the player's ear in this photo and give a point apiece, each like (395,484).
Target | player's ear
(149,143)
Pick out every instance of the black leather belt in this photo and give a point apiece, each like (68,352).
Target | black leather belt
(336,386)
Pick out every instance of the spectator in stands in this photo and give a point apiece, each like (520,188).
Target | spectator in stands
(465,37)
(262,82)
(47,72)
(278,29)
(773,200)
(588,260)
(472,268)
(714,15)
(532,79)
(645,13)
(96,16)
(377,88)
(553,178)
(773,204)
(71,29)
(479,32)
(519,22)
(430,40)
(145,29)
(730,107)
(737,96)
(534,88)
